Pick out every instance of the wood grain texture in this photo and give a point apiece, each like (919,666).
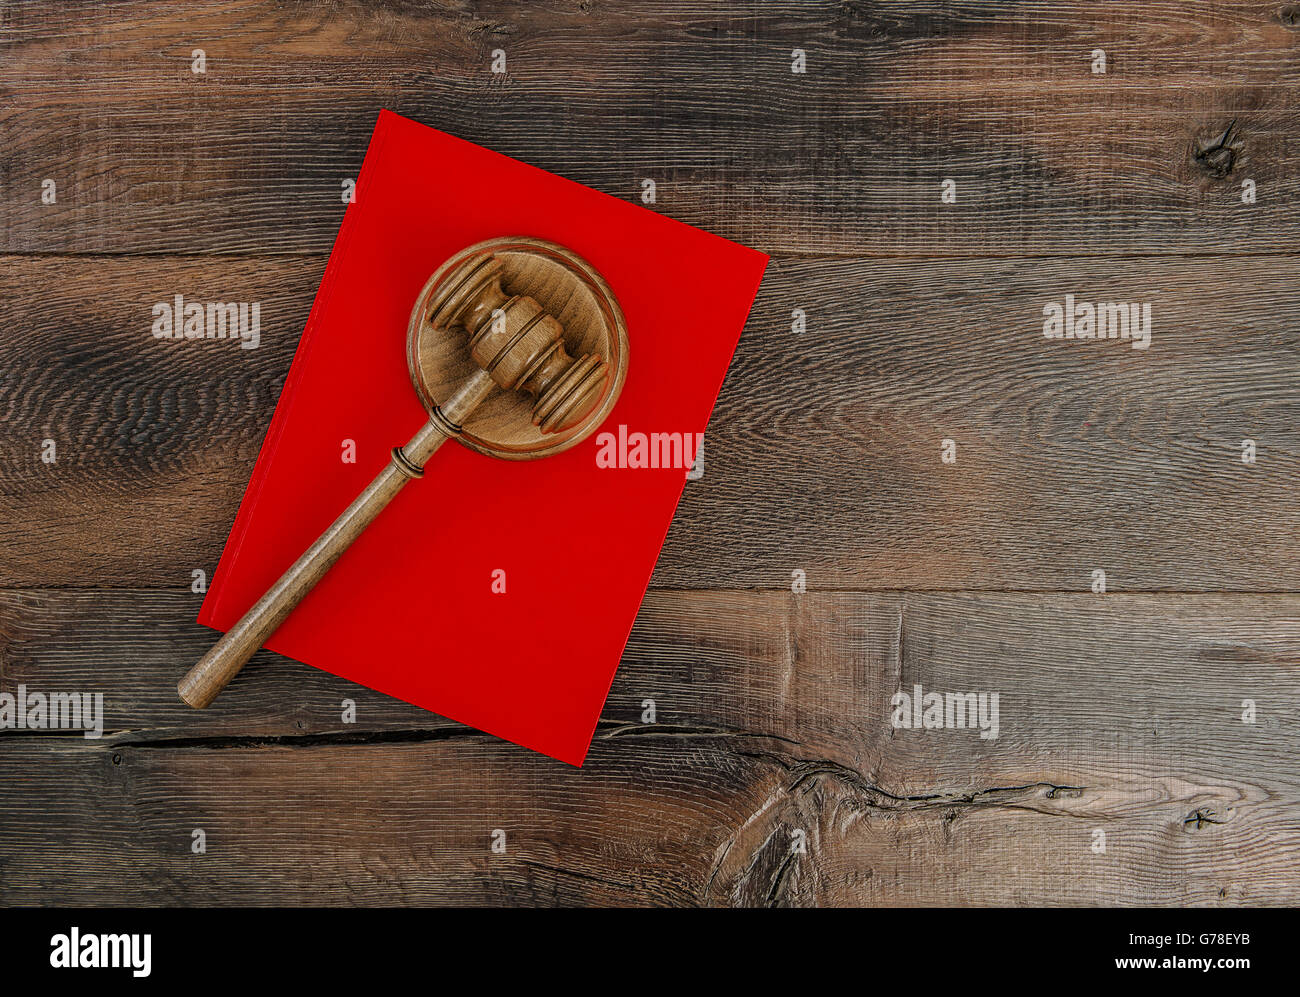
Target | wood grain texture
(823,453)
(845,158)
(772,717)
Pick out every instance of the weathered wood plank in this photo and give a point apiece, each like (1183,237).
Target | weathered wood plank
(669,823)
(823,454)
(1120,714)
(846,158)
(811,669)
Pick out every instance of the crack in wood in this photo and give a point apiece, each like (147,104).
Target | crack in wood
(775,814)
(1218,154)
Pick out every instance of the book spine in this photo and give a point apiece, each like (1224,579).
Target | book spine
(216,611)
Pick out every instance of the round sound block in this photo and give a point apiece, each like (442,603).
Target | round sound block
(565,285)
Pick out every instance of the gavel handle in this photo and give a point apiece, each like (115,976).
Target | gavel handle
(207,678)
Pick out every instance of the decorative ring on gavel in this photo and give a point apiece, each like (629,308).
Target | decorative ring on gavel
(473,330)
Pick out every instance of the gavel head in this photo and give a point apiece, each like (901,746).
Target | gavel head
(519,308)
(520,344)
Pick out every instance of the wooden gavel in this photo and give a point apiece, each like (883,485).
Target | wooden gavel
(515,344)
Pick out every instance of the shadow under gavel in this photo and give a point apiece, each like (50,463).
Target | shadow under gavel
(516,345)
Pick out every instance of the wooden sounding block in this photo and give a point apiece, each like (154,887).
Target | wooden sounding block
(444,351)
(518,314)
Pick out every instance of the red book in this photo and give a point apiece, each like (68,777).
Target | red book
(409,609)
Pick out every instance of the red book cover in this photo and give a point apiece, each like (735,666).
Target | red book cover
(410,609)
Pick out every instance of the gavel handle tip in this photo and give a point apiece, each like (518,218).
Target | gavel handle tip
(232,651)
(191,694)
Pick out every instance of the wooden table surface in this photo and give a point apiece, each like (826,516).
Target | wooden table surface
(1126,770)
